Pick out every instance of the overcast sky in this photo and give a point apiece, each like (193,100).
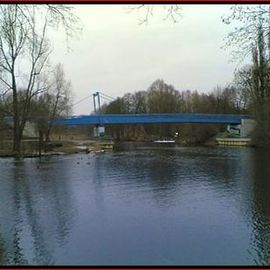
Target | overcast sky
(114,54)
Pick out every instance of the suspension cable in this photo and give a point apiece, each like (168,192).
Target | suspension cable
(81,100)
(112,98)
(107,99)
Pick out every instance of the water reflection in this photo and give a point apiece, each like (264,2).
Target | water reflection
(38,209)
(145,174)
(166,173)
(260,207)
(168,206)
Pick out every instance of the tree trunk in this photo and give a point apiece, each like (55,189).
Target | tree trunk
(16,142)
(47,139)
(47,136)
(40,144)
(16,121)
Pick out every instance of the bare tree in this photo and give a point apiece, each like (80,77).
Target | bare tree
(24,52)
(60,104)
(54,103)
(251,37)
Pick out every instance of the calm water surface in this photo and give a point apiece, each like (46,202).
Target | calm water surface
(144,206)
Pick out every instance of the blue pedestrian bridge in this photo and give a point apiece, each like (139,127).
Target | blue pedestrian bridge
(155,118)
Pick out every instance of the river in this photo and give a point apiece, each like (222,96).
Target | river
(137,206)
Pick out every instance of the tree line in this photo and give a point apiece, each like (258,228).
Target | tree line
(161,97)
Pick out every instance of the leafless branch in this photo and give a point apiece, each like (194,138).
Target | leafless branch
(172,12)
(243,38)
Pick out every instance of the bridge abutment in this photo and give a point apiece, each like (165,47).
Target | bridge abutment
(239,135)
(242,130)
(246,127)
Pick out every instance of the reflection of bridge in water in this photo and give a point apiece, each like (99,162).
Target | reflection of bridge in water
(243,123)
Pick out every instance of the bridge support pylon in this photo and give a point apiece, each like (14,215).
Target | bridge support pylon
(99,131)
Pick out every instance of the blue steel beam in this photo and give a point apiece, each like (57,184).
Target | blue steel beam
(102,119)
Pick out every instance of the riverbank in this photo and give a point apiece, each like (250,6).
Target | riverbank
(68,147)
(59,148)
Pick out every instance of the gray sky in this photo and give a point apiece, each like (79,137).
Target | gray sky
(116,55)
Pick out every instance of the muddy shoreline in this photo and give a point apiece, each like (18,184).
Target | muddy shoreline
(80,146)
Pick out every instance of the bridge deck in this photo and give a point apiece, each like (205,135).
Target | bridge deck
(103,119)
